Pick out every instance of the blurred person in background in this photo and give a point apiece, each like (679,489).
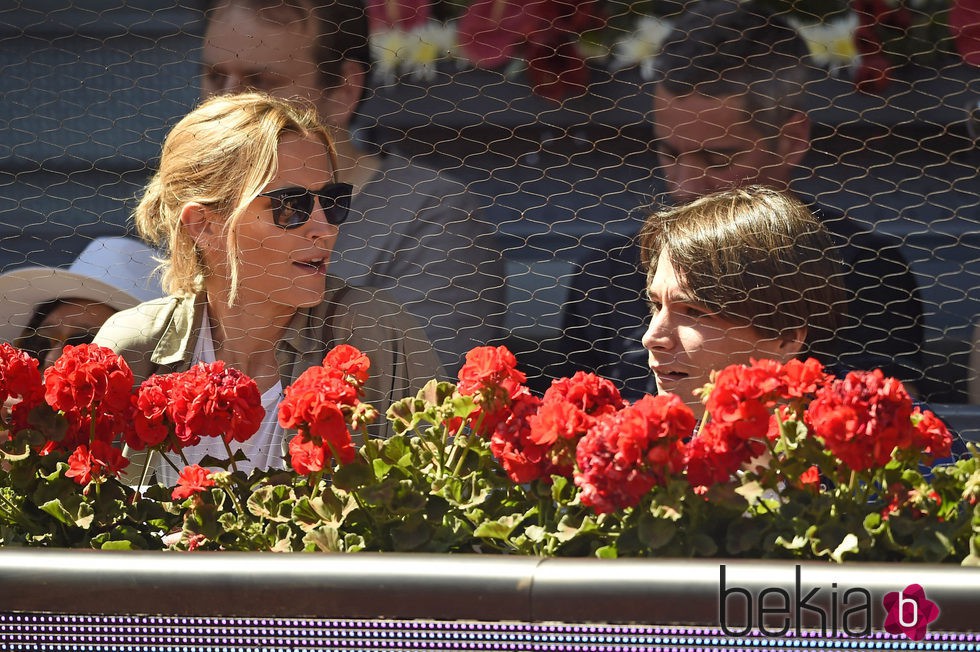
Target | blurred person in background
(43,309)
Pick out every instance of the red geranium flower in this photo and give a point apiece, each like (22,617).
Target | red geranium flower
(320,405)
(511,443)
(192,480)
(569,409)
(173,411)
(353,364)
(218,401)
(862,418)
(308,455)
(19,379)
(153,418)
(315,404)
(626,453)
(91,385)
(98,462)
(490,376)
(716,453)
(930,437)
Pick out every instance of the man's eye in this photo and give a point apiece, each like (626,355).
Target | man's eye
(654,307)
(694,312)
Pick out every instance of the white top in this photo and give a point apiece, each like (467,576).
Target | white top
(263,450)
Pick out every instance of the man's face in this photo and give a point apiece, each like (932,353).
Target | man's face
(707,144)
(245,50)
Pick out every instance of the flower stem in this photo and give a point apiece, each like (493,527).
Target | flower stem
(462,458)
(171,462)
(142,480)
(231,456)
(702,424)
(456,439)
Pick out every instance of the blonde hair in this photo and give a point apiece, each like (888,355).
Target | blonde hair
(755,256)
(221,155)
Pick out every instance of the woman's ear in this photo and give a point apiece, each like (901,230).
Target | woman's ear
(197,220)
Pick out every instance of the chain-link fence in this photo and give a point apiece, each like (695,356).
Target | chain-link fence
(543,112)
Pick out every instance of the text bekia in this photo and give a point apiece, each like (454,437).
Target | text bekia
(776,611)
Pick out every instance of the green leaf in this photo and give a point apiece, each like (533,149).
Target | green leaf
(703,546)
(655,533)
(411,534)
(350,477)
(325,538)
(117,545)
(273,502)
(71,510)
(606,552)
(503,527)
(745,535)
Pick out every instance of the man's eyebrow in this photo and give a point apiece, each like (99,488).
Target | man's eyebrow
(674,296)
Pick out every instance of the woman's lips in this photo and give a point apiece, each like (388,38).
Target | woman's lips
(318,266)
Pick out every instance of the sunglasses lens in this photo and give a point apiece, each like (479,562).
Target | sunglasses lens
(291,209)
(335,202)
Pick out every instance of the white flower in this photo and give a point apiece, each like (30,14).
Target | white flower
(427,46)
(831,43)
(416,52)
(388,50)
(640,47)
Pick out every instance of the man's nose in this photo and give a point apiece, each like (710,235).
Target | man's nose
(658,334)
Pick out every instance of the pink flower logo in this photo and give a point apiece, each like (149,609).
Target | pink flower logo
(909,612)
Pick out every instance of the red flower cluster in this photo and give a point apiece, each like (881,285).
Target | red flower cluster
(209,400)
(99,461)
(490,376)
(570,408)
(193,480)
(864,417)
(91,386)
(523,459)
(19,379)
(491,31)
(319,405)
(741,409)
(629,451)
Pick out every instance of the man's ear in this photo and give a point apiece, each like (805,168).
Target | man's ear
(794,138)
(790,344)
(338,104)
(199,223)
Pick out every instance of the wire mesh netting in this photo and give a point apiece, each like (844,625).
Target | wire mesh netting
(510,154)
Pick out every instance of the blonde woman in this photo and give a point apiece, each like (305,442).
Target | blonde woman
(247,206)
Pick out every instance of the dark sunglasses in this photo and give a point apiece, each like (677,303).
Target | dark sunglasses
(293,206)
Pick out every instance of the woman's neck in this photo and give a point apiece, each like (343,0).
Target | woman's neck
(245,338)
